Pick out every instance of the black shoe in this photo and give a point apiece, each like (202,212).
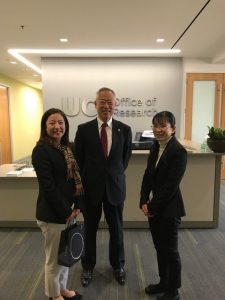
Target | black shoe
(120,275)
(169,296)
(75,297)
(86,277)
(155,289)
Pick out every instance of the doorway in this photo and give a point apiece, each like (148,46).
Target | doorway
(5,139)
(205,106)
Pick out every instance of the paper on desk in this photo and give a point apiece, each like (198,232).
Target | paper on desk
(28,169)
(14,173)
(148,134)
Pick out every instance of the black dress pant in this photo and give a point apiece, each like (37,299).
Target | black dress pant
(114,219)
(165,238)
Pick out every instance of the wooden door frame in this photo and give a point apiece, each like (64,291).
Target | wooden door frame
(219,119)
(6,128)
(190,77)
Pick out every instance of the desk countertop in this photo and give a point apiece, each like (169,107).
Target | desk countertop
(26,172)
(191,147)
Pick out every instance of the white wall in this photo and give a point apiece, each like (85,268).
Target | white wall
(202,66)
(25,115)
(68,81)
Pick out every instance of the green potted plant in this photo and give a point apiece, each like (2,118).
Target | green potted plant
(216,139)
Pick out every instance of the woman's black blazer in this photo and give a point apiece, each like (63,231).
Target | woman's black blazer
(163,180)
(56,192)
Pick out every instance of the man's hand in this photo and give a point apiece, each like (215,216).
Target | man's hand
(145,210)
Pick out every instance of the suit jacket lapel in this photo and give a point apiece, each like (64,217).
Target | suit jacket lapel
(115,136)
(164,154)
(94,134)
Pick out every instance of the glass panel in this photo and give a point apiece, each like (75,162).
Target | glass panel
(203,109)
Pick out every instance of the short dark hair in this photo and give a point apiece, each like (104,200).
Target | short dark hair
(44,138)
(164,116)
(105,89)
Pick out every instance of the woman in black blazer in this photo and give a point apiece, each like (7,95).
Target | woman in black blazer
(161,201)
(59,183)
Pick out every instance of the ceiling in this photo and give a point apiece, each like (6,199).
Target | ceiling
(196,27)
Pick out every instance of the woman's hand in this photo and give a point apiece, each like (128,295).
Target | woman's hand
(79,190)
(144,208)
(74,214)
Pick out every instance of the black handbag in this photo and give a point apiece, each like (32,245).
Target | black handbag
(71,245)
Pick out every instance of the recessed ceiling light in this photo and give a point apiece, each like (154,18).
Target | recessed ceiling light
(63,40)
(160,40)
(13,62)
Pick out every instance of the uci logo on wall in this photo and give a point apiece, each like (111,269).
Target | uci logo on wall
(74,106)
(125,107)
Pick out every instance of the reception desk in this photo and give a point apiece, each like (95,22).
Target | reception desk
(200,188)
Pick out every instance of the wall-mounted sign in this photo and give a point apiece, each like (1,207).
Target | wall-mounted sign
(128,107)
(125,107)
(70,106)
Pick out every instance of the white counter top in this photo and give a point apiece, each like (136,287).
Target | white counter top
(191,147)
(26,172)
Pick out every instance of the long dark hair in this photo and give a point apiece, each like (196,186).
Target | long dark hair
(44,137)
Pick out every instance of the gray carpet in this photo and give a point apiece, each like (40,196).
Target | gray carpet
(202,253)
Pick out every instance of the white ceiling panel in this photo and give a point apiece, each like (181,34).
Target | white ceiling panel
(107,24)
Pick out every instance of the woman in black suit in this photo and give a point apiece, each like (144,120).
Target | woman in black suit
(161,201)
(59,183)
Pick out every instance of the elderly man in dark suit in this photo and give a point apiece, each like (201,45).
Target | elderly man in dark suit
(103,150)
